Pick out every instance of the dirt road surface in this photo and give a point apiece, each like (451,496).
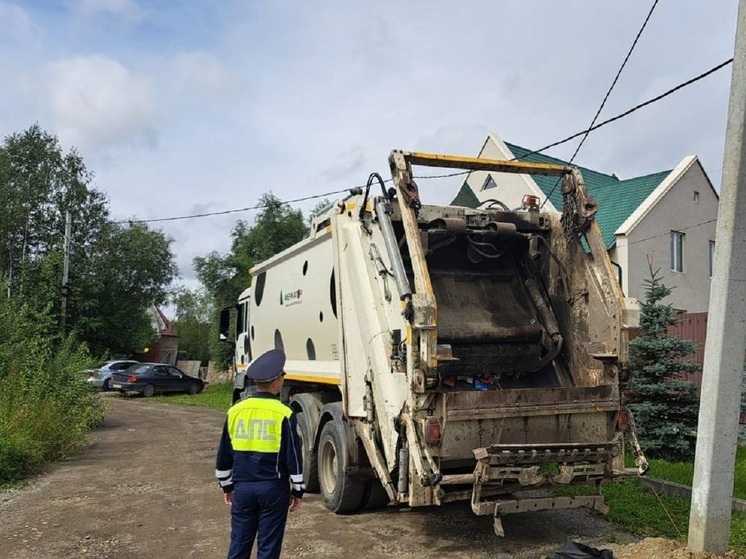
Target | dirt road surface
(145,489)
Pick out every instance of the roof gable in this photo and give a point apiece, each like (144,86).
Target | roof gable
(659,192)
(465,197)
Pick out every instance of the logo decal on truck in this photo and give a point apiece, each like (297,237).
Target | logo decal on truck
(291,297)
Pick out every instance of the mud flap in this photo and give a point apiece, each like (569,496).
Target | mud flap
(513,506)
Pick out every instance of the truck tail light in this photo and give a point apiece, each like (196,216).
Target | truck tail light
(432,430)
(530,202)
(623,418)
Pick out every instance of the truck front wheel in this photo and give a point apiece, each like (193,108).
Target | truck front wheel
(341,493)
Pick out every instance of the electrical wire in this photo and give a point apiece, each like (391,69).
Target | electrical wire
(630,111)
(459,173)
(237,210)
(616,79)
(606,97)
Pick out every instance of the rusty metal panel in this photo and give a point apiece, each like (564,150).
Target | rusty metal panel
(693,326)
(461,437)
(689,326)
(522,401)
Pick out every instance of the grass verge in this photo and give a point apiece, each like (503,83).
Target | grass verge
(683,472)
(215,396)
(638,510)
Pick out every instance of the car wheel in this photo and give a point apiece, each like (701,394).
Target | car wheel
(107,385)
(148,391)
(341,493)
(193,388)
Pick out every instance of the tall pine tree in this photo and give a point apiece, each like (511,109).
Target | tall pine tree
(665,406)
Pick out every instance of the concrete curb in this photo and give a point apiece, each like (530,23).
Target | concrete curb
(683,491)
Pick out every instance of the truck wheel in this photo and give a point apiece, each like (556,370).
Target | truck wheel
(341,494)
(306,433)
(375,496)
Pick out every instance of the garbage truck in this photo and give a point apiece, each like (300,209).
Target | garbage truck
(444,353)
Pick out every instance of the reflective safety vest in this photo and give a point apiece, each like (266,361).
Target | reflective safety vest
(255,424)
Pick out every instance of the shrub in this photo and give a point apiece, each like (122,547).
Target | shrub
(664,405)
(46,407)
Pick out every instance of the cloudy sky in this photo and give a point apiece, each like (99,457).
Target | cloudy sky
(194,106)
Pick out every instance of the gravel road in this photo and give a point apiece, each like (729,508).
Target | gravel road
(145,489)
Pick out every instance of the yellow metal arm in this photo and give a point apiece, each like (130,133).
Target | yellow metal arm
(479,164)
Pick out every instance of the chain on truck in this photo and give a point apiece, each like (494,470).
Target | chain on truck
(442,353)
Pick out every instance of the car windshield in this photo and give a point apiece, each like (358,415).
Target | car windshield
(138,369)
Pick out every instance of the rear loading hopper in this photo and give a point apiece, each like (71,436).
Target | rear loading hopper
(442,353)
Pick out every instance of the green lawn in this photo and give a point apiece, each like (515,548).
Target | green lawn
(215,396)
(683,472)
(637,508)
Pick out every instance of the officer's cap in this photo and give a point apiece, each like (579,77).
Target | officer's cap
(267,367)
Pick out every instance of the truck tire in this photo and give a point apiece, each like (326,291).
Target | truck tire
(341,493)
(306,433)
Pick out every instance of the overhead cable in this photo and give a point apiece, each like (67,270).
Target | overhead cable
(606,97)
(538,151)
(630,111)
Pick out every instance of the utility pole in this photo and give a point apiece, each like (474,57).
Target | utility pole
(66,268)
(717,431)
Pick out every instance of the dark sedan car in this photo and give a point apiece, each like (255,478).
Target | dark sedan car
(149,378)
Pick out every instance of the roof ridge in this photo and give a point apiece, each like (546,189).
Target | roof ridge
(610,176)
(668,172)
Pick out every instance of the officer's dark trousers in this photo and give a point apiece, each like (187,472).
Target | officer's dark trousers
(259,507)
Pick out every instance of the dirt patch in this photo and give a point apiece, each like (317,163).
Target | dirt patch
(145,489)
(660,548)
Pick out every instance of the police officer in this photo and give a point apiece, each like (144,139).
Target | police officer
(259,463)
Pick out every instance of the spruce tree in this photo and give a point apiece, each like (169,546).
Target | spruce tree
(664,405)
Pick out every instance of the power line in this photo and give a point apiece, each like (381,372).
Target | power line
(606,97)
(668,232)
(259,206)
(538,151)
(632,110)
(224,212)
(616,79)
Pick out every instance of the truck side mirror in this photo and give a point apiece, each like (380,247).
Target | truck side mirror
(225,325)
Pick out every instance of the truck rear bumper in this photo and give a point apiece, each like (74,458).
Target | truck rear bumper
(512,506)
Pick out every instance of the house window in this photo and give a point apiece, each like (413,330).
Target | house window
(677,251)
(489,182)
(712,257)
(696,197)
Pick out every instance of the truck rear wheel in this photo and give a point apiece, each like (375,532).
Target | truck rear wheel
(341,493)
(306,433)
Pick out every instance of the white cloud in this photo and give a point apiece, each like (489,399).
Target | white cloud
(304,98)
(126,10)
(15,23)
(96,102)
(203,71)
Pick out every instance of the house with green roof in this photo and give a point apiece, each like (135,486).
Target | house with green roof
(665,219)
